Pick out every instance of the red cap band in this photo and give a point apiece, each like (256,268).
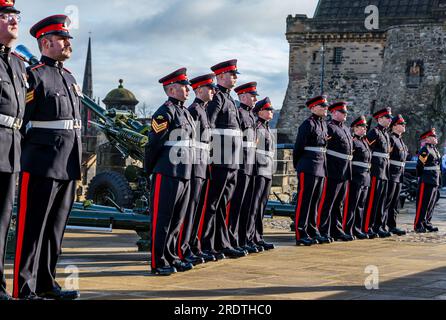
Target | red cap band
(429,134)
(268,105)
(342,107)
(181,77)
(6,3)
(226,69)
(317,103)
(247,90)
(53,27)
(382,114)
(202,83)
(360,123)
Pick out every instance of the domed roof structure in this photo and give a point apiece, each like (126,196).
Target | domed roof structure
(121,98)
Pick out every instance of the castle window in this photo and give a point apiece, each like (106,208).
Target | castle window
(337,57)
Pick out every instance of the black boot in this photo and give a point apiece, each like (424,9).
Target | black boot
(304,242)
(397,231)
(164,271)
(59,294)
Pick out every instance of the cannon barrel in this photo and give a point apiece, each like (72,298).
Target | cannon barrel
(104,217)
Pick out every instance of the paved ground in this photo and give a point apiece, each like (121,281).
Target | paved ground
(410,267)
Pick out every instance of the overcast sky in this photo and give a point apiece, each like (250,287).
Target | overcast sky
(140,41)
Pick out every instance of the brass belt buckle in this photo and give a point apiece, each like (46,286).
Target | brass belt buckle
(77,124)
(17,123)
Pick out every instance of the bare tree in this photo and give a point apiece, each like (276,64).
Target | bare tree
(143,111)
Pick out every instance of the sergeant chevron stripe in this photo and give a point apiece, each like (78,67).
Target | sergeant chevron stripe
(30,96)
(158,127)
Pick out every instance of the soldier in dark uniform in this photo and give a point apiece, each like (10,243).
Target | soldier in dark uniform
(169,157)
(264,169)
(50,163)
(225,157)
(13,93)
(309,159)
(359,185)
(239,206)
(188,242)
(398,155)
(339,165)
(379,142)
(428,171)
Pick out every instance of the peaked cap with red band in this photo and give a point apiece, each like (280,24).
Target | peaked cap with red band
(250,87)
(178,76)
(7,6)
(427,134)
(398,120)
(361,121)
(264,104)
(227,66)
(201,81)
(56,25)
(317,101)
(386,112)
(338,106)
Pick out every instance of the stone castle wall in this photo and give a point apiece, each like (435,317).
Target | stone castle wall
(413,89)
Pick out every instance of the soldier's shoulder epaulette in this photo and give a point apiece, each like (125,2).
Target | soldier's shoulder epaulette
(193,106)
(67,70)
(32,68)
(168,108)
(168,103)
(18,56)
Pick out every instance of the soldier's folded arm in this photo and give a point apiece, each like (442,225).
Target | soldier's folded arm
(301,142)
(213,109)
(157,137)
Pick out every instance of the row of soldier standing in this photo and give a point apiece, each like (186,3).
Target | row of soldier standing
(211,170)
(350,179)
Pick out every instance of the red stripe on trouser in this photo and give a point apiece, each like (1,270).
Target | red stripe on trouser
(344,224)
(299,204)
(20,230)
(155,215)
(228,211)
(203,212)
(321,204)
(420,202)
(370,205)
(180,240)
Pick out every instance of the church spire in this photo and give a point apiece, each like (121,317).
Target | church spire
(87,87)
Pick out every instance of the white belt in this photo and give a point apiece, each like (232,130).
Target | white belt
(340,155)
(227,132)
(249,144)
(57,125)
(266,153)
(362,164)
(381,155)
(10,122)
(202,145)
(180,143)
(398,163)
(316,149)
(432,168)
